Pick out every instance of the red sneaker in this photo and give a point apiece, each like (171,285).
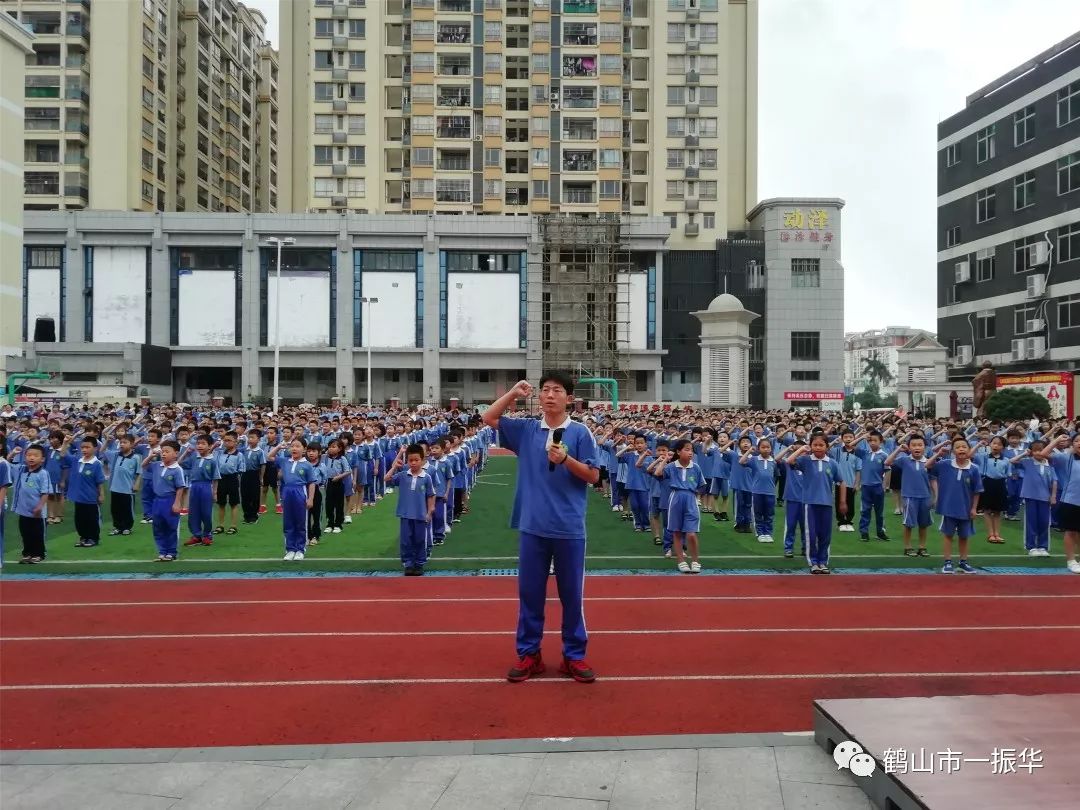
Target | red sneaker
(526,667)
(206,541)
(192,541)
(579,670)
(277,509)
(262,509)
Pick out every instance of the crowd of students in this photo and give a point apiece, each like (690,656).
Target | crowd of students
(662,474)
(225,469)
(316,468)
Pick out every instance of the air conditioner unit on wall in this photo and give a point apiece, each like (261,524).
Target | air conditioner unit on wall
(1035,325)
(963,272)
(1036,286)
(1039,253)
(1035,348)
(1019,350)
(963,355)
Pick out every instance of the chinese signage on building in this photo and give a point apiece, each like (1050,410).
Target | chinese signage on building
(1056,386)
(813,222)
(812,396)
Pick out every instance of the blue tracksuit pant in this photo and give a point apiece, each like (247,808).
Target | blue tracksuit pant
(201,509)
(1036,524)
(794,519)
(639,505)
(534,561)
(294,517)
(873,498)
(147,495)
(819,530)
(744,506)
(1012,487)
(412,542)
(764,509)
(166,525)
(438,520)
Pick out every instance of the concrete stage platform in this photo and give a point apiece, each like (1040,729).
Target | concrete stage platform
(959,753)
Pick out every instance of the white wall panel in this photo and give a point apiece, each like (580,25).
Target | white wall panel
(305,309)
(119,294)
(632,309)
(483,310)
(208,308)
(393,319)
(42,297)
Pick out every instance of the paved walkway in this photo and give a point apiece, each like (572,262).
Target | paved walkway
(736,771)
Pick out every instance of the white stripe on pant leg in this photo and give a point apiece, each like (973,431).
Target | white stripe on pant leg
(808,541)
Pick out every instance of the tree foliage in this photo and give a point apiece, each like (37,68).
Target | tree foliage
(1012,403)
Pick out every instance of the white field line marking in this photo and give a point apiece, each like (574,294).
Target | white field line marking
(36,687)
(455,633)
(445,600)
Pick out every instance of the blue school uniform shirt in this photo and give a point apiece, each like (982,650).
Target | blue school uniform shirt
(956,487)
(204,469)
(548,503)
(1068,466)
(28,487)
(84,480)
(636,479)
(335,466)
(56,462)
(995,468)
(254,458)
(916,480)
(124,471)
(873,465)
(721,466)
(820,476)
(737,471)
(793,489)
(847,462)
(435,470)
(689,478)
(5,481)
(229,463)
(413,492)
(1038,478)
(760,473)
(167,480)
(297,473)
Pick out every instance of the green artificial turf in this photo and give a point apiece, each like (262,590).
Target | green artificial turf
(481,542)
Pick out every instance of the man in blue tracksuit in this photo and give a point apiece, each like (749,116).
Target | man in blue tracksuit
(557,462)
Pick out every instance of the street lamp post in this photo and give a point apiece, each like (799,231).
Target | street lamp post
(278,241)
(368,333)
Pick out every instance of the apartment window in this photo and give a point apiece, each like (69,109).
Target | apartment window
(423,29)
(952,236)
(357,60)
(493,31)
(673,219)
(423,92)
(708,221)
(1024,190)
(676,65)
(985,325)
(357,91)
(540,189)
(1068,104)
(706,127)
(984,264)
(708,65)
(1068,243)
(610,127)
(148,98)
(1068,173)
(357,124)
(453,191)
(541,32)
(805,345)
(798,375)
(324,91)
(324,28)
(675,158)
(541,63)
(357,29)
(610,190)
(356,155)
(676,96)
(541,157)
(493,63)
(676,189)
(324,155)
(985,205)
(424,63)
(708,158)
(985,144)
(952,154)
(324,123)
(147,191)
(707,190)
(325,186)
(423,124)
(324,60)
(423,189)
(493,94)
(676,127)
(610,159)
(357,187)
(705,96)
(676,32)
(1023,126)
(611,32)
(806,272)
(707,32)
(424,156)
(610,64)
(1021,316)
(493,188)
(541,125)
(1068,312)
(1020,253)
(610,95)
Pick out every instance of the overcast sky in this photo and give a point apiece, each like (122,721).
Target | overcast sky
(850,95)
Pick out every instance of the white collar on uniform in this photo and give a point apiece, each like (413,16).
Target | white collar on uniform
(94,460)
(551,430)
(174,466)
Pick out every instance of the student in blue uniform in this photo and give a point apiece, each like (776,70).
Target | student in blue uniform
(1039,493)
(958,486)
(31,490)
(124,468)
(995,470)
(58,466)
(251,477)
(297,496)
(1066,460)
(872,457)
(637,486)
(686,481)
(760,473)
(169,484)
(719,476)
(850,466)
(337,473)
(740,486)
(231,467)
(86,489)
(1014,447)
(152,447)
(794,508)
(820,477)
(203,476)
(416,503)
(436,468)
(549,510)
(915,491)
(313,454)
(5,485)
(663,495)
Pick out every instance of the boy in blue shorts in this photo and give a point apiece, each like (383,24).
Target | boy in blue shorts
(416,504)
(916,493)
(684,518)
(958,486)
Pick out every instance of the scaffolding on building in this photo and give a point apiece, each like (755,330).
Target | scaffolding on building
(586,264)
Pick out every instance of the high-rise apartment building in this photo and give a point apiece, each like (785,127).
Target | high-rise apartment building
(525,106)
(172,107)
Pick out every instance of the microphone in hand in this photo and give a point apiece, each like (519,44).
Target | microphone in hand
(556,439)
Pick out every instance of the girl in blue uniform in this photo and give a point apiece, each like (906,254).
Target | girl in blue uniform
(314,524)
(1039,493)
(820,477)
(686,481)
(337,473)
(760,473)
(994,501)
(297,496)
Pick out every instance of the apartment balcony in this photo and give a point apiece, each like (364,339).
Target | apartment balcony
(579,162)
(691,229)
(181,120)
(181,149)
(453,131)
(692,140)
(340,42)
(578,196)
(340,105)
(339,201)
(340,136)
(181,64)
(340,74)
(453,196)
(691,172)
(453,164)
(41,187)
(693,77)
(454,6)
(181,93)
(339,169)
(693,46)
(692,204)
(340,12)
(181,202)
(463,98)
(578,134)
(181,175)
(692,108)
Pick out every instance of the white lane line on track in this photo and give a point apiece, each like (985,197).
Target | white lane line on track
(39,687)
(457,633)
(445,600)
(765,558)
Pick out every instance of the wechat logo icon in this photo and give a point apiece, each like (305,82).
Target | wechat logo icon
(851,755)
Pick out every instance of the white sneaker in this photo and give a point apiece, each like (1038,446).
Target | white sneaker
(667,554)
(1073,566)
(290,555)
(328,529)
(1033,552)
(765,538)
(298,556)
(1043,552)
(348,519)
(551,569)
(695,568)
(389,490)
(337,530)
(615,509)
(684,567)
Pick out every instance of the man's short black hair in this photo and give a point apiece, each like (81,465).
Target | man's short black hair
(560,377)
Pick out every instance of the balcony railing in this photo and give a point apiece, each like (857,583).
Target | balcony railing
(578,163)
(454,164)
(453,195)
(578,195)
(41,187)
(579,135)
(454,99)
(453,132)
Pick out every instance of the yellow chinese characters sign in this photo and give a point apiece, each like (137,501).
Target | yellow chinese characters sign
(814,219)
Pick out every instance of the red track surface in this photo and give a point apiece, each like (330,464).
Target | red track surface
(245,662)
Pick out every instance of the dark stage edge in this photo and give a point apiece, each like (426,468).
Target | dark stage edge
(973,726)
